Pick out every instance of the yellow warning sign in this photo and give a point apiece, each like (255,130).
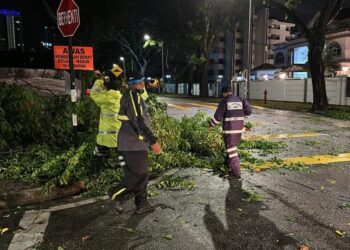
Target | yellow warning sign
(116,70)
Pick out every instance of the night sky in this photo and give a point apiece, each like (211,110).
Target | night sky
(35,17)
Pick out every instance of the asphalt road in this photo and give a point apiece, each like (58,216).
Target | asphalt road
(297,206)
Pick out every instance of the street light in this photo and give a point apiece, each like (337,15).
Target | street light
(218,81)
(123,60)
(249,61)
(147,37)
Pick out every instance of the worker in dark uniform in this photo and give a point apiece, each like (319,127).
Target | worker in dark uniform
(231,111)
(134,139)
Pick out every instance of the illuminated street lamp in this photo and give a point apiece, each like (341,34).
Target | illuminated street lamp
(147,37)
(218,81)
(124,69)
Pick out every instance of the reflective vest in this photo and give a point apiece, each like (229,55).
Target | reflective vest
(109,103)
(231,112)
(144,95)
(109,125)
(135,132)
(98,85)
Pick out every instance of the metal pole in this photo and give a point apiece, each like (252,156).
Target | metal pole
(249,61)
(73,93)
(124,69)
(163,82)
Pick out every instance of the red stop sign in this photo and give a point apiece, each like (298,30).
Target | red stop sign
(68,17)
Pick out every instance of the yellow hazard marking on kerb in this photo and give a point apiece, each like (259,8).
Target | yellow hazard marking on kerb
(281,136)
(177,106)
(307,160)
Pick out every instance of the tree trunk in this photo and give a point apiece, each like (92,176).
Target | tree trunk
(204,83)
(320,100)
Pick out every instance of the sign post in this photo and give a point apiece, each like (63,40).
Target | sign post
(68,21)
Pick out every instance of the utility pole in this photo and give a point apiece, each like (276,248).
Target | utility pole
(249,61)
(163,82)
(124,68)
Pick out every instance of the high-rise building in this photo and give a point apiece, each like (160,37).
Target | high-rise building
(228,58)
(11,30)
(267,32)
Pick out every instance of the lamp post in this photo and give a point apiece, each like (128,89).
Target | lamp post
(147,37)
(218,81)
(124,69)
(249,61)
(162,44)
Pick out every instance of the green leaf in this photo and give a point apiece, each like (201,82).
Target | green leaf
(168,237)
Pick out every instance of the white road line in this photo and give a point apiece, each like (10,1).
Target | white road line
(76,204)
(34,224)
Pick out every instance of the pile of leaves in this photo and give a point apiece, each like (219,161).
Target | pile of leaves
(186,142)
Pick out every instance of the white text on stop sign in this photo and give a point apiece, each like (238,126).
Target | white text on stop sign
(68,17)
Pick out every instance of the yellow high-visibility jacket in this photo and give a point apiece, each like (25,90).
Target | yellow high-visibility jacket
(109,103)
(98,85)
(109,125)
(144,95)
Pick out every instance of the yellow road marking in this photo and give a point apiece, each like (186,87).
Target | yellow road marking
(307,160)
(257,107)
(203,105)
(342,125)
(177,106)
(281,136)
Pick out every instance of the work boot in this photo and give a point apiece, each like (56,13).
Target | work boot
(117,206)
(144,207)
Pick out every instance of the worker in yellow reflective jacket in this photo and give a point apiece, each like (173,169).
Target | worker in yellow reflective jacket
(106,95)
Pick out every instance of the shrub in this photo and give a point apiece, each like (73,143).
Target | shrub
(26,117)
